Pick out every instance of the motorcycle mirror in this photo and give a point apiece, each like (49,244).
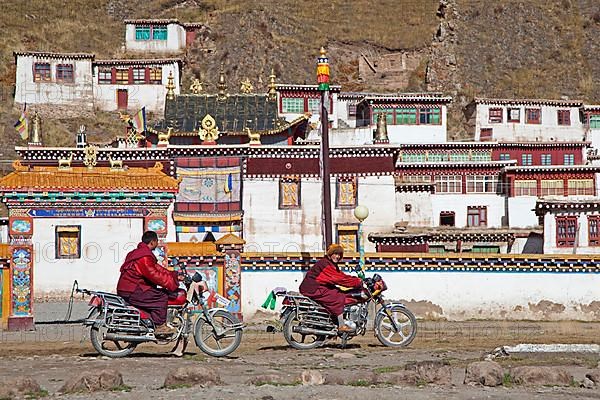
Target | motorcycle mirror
(197,277)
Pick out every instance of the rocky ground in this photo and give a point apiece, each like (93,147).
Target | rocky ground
(265,368)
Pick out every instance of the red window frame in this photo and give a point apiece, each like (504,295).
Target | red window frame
(476,216)
(495,115)
(566,231)
(564,117)
(533,115)
(594,230)
(485,134)
(42,72)
(64,73)
(509,115)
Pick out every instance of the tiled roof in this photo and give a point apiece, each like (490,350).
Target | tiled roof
(230,238)
(164,21)
(82,179)
(47,54)
(309,88)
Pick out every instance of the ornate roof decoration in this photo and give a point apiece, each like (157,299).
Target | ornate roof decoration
(234,216)
(82,179)
(406,98)
(554,168)
(54,55)
(183,249)
(543,206)
(529,102)
(134,62)
(230,238)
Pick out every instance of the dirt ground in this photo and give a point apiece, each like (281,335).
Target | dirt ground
(54,353)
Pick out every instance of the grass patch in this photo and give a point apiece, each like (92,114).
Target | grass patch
(194,357)
(383,370)
(121,388)
(36,395)
(507,380)
(360,383)
(178,386)
(272,383)
(421,382)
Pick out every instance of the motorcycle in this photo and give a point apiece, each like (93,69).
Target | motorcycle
(117,328)
(306,324)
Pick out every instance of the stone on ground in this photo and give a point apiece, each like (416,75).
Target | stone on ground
(594,376)
(538,376)
(486,373)
(17,387)
(93,381)
(192,376)
(436,372)
(311,377)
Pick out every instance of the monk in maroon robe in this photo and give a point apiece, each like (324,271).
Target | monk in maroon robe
(140,274)
(320,283)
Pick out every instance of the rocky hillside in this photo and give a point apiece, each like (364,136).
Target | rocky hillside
(465,48)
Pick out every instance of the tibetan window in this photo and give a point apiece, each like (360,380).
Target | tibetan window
(448,184)
(389,115)
(485,134)
(314,106)
(594,121)
(406,116)
(564,117)
(289,193)
(482,184)
(159,33)
(481,156)
(122,76)
(525,188)
(430,116)
(413,157)
(566,231)
(348,237)
(41,72)
(552,187)
(486,249)
(513,114)
(580,187)
(416,178)
(156,75)
(351,111)
(526,159)
(533,115)
(139,75)
(346,193)
(459,157)
(569,159)
(594,230)
(447,218)
(546,159)
(504,156)
(292,105)
(64,72)
(142,33)
(477,216)
(105,76)
(495,115)
(68,241)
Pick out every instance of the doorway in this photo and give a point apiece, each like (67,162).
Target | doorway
(122,99)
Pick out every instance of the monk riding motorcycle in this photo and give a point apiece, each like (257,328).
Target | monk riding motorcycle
(116,328)
(306,324)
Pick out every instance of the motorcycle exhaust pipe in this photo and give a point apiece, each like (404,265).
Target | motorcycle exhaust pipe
(311,331)
(128,338)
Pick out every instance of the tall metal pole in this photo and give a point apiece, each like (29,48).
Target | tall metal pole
(323,81)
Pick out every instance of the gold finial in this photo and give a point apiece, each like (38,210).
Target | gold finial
(115,165)
(90,156)
(222,85)
(36,130)
(381,132)
(170,86)
(246,86)
(272,94)
(209,132)
(253,136)
(196,86)
(17,166)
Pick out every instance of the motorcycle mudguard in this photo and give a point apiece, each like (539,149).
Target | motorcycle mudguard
(211,312)
(390,305)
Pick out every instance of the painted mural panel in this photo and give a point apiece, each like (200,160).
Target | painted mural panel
(232,281)
(21,281)
(209,185)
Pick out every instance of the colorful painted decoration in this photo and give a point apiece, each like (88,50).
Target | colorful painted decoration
(157,225)
(20,226)
(323,70)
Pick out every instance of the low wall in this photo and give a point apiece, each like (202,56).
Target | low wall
(453,287)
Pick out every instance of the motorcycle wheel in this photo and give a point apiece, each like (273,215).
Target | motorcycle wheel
(109,348)
(298,340)
(212,343)
(405,320)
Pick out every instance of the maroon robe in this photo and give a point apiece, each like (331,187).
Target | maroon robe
(319,284)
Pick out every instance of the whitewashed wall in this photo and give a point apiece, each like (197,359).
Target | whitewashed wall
(461,295)
(316,116)
(421,211)
(341,110)
(104,245)
(269,229)
(406,134)
(139,95)
(175,40)
(521,212)
(459,203)
(547,130)
(350,137)
(79,93)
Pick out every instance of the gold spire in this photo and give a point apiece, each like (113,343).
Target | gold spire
(196,86)
(170,86)
(36,130)
(246,86)
(222,85)
(272,93)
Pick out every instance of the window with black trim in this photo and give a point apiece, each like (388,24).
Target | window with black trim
(156,75)
(139,75)
(346,193)
(533,115)
(289,193)
(447,218)
(495,115)
(566,231)
(513,114)
(68,241)
(477,216)
(41,72)
(64,72)
(594,230)
(564,117)
(104,76)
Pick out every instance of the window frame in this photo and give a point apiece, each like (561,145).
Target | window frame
(526,190)
(509,116)
(575,187)
(594,121)
(563,224)
(476,214)
(552,187)
(119,74)
(60,73)
(351,111)
(342,182)
(37,76)
(144,28)
(546,159)
(495,115)
(485,184)
(533,116)
(155,75)
(448,214)
(569,159)
(282,186)
(102,76)
(297,102)
(161,29)
(407,116)
(526,159)
(594,224)
(446,182)
(504,157)
(350,230)
(563,117)
(58,229)
(137,80)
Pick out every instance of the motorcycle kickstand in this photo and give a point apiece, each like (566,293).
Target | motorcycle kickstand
(343,340)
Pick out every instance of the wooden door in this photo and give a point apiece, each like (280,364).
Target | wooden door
(122,99)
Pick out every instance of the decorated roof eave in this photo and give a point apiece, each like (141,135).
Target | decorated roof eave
(550,102)
(308,88)
(54,55)
(457,164)
(590,107)
(157,21)
(281,129)
(405,99)
(553,168)
(138,61)
(583,204)
(206,217)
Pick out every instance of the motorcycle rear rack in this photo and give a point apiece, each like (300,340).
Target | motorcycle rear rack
(125,319)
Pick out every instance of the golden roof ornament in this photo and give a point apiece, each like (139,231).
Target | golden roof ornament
(163,138)
(209,133)
(381,131)
(90,156)
(253,136)
(65,163)
(196,86)
(272,93)
(246,87)
(170,86)
(222,85)
(36,130)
